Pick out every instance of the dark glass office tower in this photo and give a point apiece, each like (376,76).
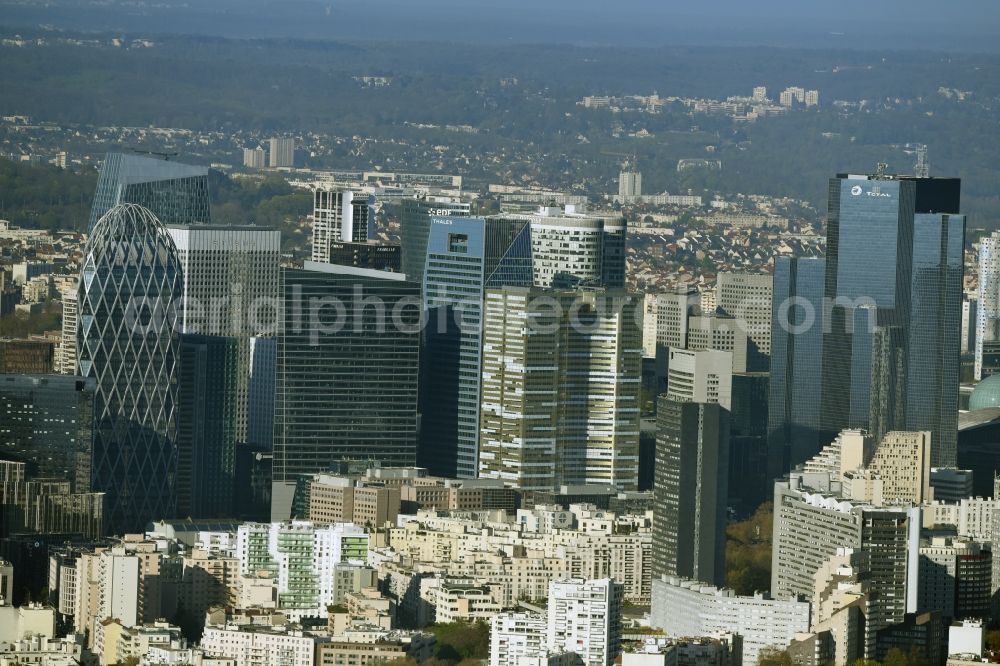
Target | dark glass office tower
(893,306)
(690,490)
(934,344)
(46,422)
(130,290)
(175,193)
(465,256)
(347,371)
(793,428)
(206,425)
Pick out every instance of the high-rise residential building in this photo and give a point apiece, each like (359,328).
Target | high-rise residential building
(584,617)
(46,421)
(173,192)
(130,288)
(281,152)
(629,183)
(303,558)
(811,524)
(206,425)
(690,490)
(254,158)
(66,357)
(347,371)
(415,226)
(569,247)
(748,297)
(760,94)
(465,256)
(340,216)
(231,288)
(811,98)
(988,310)
(561,376)
(902,462)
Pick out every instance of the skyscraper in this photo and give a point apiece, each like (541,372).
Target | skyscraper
(66,358)
(206,425)
(894,258)
(347,370)
(747,297)
(629,183)
(130,288)
(570,247)
(253,158)
(282,152)
(340,216)
(560,398)
(691,478)
(988,314)
(465,256)
(231,288)
(174,193)
(796,354)
(415,227)
(260,393)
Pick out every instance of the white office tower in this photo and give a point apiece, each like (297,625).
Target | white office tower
(585,618)
(340,216)
(685,608)
(282,152)
(760,94)
(649,311)
(230,289)
(988,324)
(254,158)
(629,183)
(66,362)
(747,297)
(704,376)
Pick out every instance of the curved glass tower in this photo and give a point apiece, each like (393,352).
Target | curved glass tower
(130,287)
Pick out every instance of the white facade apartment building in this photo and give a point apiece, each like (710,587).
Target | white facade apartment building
(685,608)
(988,309)
(340,215)
(584,617)
(250,647)
(518,638)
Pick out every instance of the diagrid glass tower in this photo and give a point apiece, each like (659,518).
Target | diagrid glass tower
(130,287)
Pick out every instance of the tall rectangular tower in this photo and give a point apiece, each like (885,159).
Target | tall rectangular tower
(415,227)
(231,288)
(465,256)
(347,369)
(340,216)
(560,388)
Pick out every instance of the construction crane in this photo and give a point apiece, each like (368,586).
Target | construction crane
(166,156)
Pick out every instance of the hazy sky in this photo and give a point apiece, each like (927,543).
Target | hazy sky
(896,24)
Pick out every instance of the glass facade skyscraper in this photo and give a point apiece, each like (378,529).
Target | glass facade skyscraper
(206,425)
(347,370)
(891,318)
(130,289)
(415,227)
(175,193)
(796,363)
(46,422)
(464,257)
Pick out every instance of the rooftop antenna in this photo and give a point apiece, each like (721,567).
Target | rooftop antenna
(923,168)
(880,170)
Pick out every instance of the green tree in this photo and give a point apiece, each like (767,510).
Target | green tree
(748,552)
(772,657)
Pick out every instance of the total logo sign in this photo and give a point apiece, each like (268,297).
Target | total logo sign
(857,191)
